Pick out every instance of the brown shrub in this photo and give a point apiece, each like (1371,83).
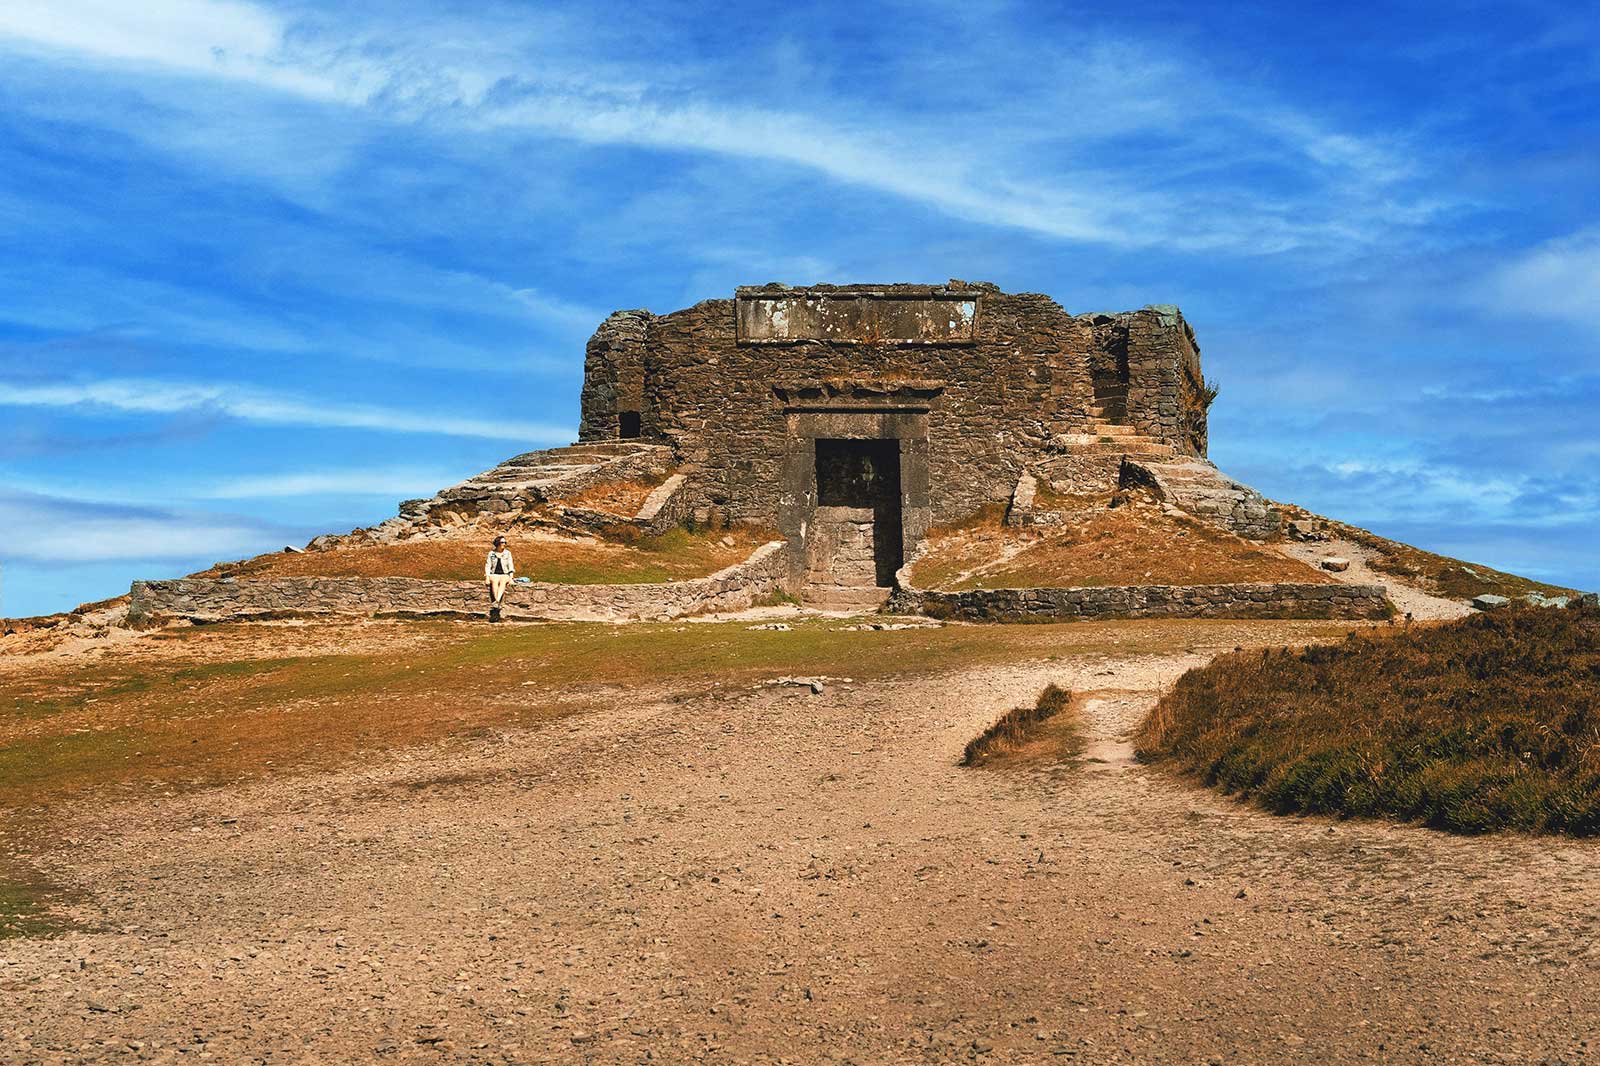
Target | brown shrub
(1490,722)
(1014,728)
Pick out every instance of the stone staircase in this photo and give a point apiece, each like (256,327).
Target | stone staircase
(854,599)
(524,481)
(1105,437)
(1090,461)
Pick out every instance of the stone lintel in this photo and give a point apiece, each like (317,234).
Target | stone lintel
(859,394)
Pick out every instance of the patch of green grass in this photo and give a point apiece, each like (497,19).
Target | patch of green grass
(1491,722)
(779,597)
(47,697)
(24,910)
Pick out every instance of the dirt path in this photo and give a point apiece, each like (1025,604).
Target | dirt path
(1420,604)
(768,875)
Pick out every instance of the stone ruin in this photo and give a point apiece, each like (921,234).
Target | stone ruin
(853,418)
(850,419)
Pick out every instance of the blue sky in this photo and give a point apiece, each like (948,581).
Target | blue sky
(267,268)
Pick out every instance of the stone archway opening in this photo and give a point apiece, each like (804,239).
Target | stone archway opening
(855,493)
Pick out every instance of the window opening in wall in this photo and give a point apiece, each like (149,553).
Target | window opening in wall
(627,424)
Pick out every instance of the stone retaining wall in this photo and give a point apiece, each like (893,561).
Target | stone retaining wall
(223,600)
(1149,601)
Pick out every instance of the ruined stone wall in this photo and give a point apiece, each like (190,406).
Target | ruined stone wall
(1195,486)
(613,374)
(1150,601)
(1024,379)
(1011,372)
(219,600)
(1155,350)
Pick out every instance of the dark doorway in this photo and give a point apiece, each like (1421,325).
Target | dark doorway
(1111,380)
(863,475)
(627,424)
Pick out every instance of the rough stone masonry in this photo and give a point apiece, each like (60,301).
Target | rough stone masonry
(852,418)
(843,414)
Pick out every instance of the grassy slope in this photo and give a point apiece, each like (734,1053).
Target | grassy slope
(623,498)
(1047,731)
(210,705)
(1490,722)
(673,556)
(1135,544)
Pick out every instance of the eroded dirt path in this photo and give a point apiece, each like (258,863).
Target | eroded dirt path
(768,875)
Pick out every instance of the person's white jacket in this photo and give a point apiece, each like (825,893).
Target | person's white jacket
(507,566)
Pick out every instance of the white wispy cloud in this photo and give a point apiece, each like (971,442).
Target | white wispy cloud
(55,529)
(388,482)
(224,38)
(1027,163)
(1559,279)
(255,405)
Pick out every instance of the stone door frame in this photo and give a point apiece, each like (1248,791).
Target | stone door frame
(854,410)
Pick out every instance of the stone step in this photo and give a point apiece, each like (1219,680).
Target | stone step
(845,597)
(1123,446)
(533,475)
(1115,429)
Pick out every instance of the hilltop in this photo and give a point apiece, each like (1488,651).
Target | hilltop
(754,771)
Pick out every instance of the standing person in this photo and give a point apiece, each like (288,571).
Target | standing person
(498,570)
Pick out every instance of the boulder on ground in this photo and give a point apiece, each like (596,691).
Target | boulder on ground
(1590,599)
(1304,531)
(1489,602)
(1335,563)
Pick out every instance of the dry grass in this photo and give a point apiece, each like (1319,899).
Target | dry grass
(1020,728)
(1490,722)
(195,707)
(622,498)
(25,908)
(1134,544)
(676,555)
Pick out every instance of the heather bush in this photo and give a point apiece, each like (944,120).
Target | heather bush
(1013,728)
(1490,722)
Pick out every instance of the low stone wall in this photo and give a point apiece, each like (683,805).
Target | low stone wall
(1149,601)
(223,600)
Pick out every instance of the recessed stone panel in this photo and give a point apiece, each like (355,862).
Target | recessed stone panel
(791,318)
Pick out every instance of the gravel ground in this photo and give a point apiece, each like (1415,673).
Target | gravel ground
(1409,599)
(768,875)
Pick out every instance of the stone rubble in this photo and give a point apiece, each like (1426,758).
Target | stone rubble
(1199,488)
